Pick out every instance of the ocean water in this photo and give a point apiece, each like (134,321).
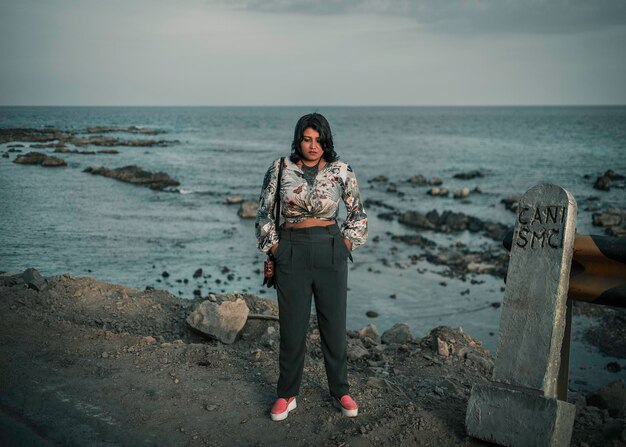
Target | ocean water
(64,220)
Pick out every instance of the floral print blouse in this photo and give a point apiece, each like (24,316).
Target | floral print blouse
(299,201)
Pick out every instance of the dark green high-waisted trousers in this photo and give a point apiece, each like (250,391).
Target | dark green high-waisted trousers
(312,262)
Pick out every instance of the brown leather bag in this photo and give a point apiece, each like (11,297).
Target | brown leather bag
(269,270)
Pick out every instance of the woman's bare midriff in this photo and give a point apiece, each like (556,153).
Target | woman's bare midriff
(311,222)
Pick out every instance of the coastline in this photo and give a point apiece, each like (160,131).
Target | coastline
(92,363)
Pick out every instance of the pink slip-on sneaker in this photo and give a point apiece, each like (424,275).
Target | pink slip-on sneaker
(282,407)
(347,405)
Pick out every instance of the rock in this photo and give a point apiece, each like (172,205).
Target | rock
(511,202)
(613,220)
(34,280)
(149,340)
(461,193)
(370,332)
(613,175)
(443,191)
(612,397)
(221,321)
(468,175)
(418,180)
(443,348)
(51,162)
(603,183)
(197,273)
(613,367)
(135,175)
(31,158)
(414,239)
(248,209)
(356,350)
(415,219)
(435,181)
(399,333)
(234,200)
(480,267)
(130,129)
(379,178)
(371,313)
(392,187)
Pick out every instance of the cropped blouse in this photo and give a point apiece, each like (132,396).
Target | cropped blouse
(299,201)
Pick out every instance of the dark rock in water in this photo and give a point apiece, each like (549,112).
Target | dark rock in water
(468,175)
(248,209)
(371,314)
(414,239)
(418,180)
(415,219)
(197,273)
(53,162)
(387,216)
(613,175)
(31,158)
(379,178)
(511,202)
(5,155)
(32,135)
(36,158)
(435,181)
(613,367)
(392,187)
(135,175)
(603,183)
(165,274)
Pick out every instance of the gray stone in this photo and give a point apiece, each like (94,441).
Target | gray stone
(461,193)
(222,321)
(34,280)
(247,209)
(516,418)
(398,333)
(356,350)
(532,323)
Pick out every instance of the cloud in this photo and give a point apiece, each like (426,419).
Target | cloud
(468,16)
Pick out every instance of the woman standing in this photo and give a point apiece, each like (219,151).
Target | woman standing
(310,253)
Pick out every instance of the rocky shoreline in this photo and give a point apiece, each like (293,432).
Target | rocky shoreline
(87,362)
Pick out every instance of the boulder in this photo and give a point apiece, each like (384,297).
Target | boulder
(461,193)
(370,332)
(233,200)
(415,219)
(603,183)
(356,350)
(418,180)
(247,209)
(443,191)
(51,162)
(511,202)
(221,321)
(399,333)
(435,181)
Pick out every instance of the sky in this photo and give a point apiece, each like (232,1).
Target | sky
(324,52)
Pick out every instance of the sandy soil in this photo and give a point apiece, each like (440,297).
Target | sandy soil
(86,363)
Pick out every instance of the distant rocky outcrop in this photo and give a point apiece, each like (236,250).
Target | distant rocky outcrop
(247,209)
(607,180)
(136,175)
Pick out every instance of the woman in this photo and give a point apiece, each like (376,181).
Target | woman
(310,253)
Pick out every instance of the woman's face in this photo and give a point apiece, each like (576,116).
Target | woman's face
(310,146)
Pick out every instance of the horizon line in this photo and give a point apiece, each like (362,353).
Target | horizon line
(319,105)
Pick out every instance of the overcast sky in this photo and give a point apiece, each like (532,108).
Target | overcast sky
(325,52)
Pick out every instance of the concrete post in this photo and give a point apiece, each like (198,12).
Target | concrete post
(519,407)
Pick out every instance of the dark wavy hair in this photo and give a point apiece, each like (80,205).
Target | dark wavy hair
(320,124)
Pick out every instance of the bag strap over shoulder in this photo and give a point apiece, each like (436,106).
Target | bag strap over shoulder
(277,198)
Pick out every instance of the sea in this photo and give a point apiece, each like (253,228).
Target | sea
(60,220)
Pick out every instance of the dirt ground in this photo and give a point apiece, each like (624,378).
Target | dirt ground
(86,363)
